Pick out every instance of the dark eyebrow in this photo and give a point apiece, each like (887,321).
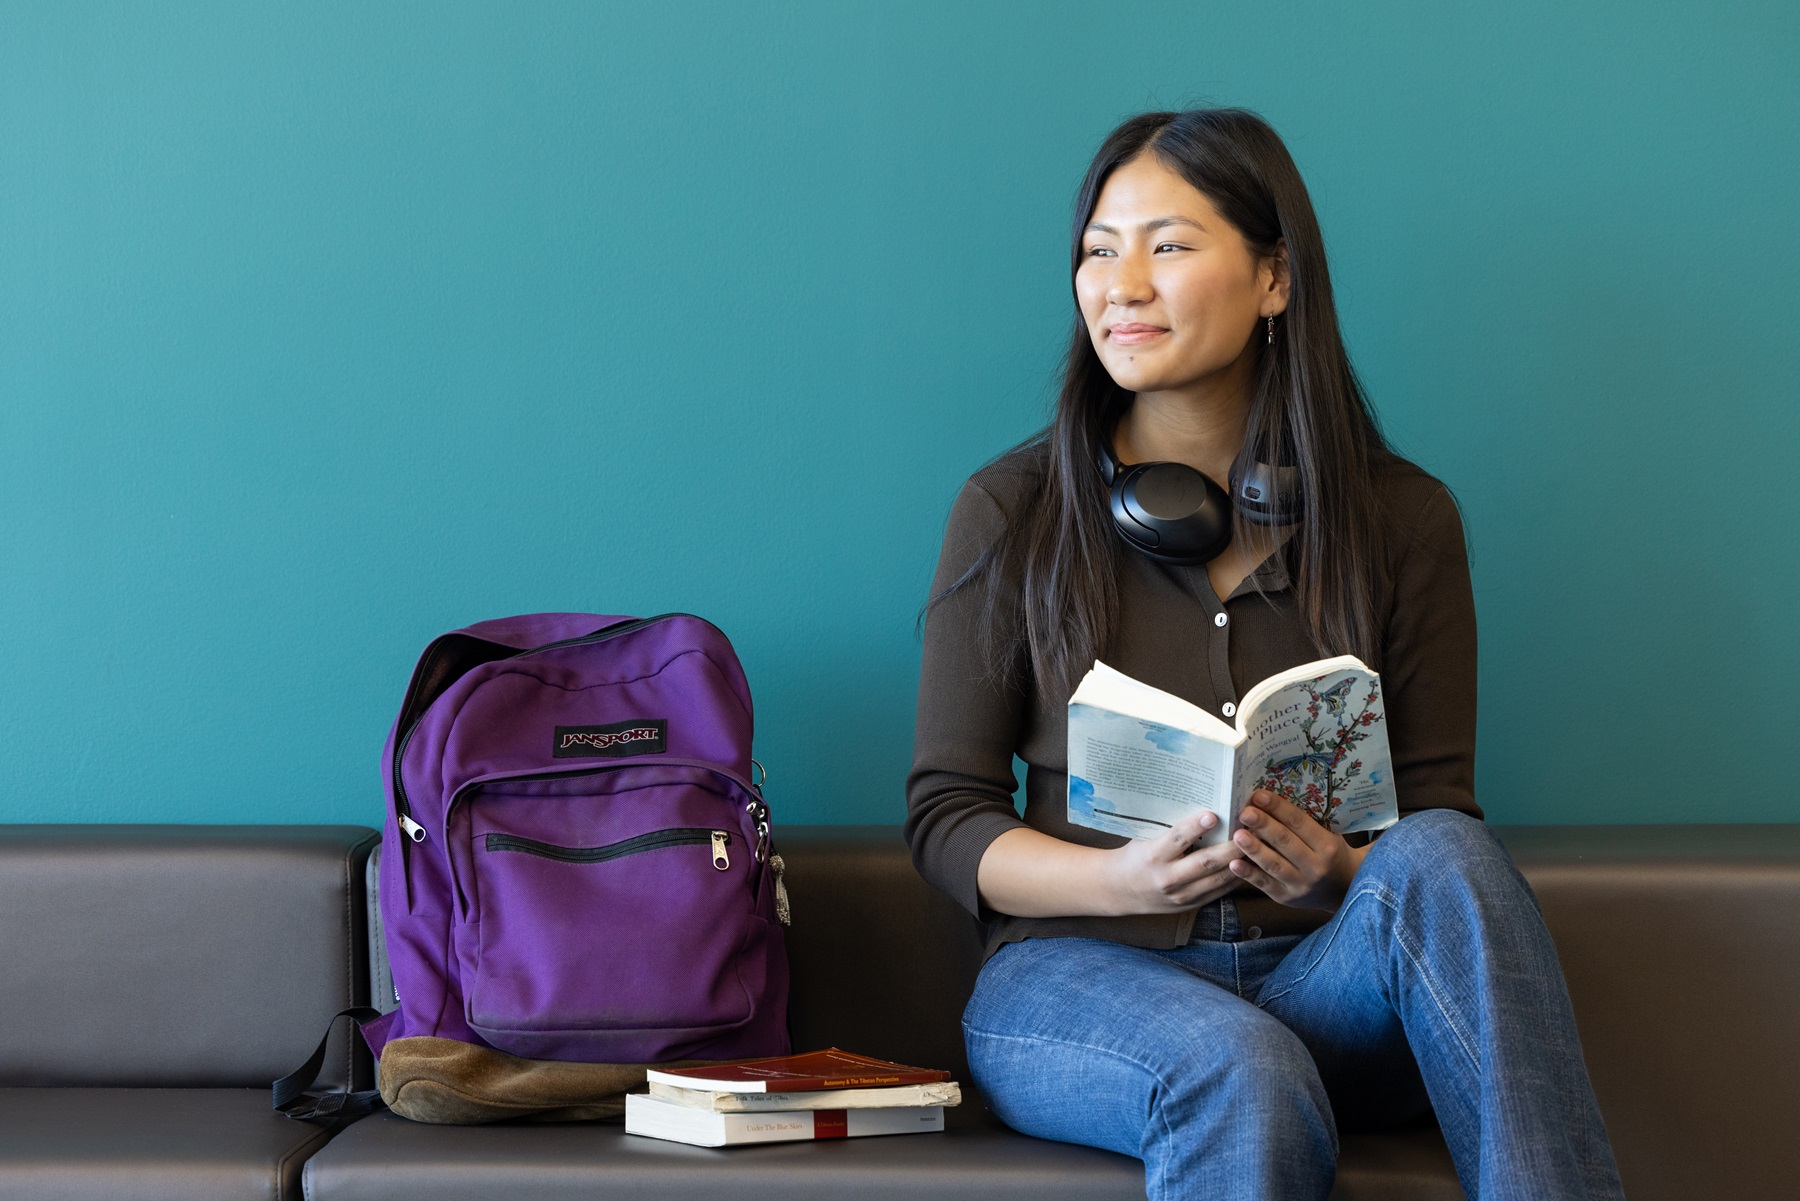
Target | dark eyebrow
(1157,223)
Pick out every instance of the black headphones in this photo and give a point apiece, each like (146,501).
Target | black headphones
(1175,514)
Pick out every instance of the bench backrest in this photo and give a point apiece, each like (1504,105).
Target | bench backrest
(174,956)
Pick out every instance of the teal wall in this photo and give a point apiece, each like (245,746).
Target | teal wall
(325,328)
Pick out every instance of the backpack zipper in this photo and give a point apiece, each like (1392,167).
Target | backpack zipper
(402,808)
(655,840)
(756,808)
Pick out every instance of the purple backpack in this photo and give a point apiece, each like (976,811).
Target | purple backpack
(576,864)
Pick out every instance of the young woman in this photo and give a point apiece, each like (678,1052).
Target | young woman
(1220,1011)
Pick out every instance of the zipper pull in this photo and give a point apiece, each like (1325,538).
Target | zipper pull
(782,913)
(413,829)
(721,860)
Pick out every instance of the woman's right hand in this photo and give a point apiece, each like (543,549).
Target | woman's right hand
(1168,873)
(1028,873)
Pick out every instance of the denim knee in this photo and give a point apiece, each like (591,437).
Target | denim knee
(1265,1075)
(1437,836)
(1439,848)
(1275,1068)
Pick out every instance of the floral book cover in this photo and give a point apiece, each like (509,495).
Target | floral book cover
(1323,743)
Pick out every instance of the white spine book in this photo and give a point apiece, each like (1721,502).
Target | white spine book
(653,1118)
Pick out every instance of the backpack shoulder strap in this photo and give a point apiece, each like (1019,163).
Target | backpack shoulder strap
(326,1109)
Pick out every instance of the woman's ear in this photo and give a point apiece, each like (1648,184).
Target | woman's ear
(1278,278)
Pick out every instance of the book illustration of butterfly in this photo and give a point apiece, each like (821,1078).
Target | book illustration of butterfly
(1335,696)
(1292,772)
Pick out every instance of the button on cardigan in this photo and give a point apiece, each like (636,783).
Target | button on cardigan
(1175,634)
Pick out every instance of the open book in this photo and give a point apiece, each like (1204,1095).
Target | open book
(1141,759)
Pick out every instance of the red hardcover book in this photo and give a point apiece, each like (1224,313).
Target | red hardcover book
(806,1073)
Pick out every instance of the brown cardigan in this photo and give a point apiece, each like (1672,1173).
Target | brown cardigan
(959,795)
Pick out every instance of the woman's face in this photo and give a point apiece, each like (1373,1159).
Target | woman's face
(1171,294)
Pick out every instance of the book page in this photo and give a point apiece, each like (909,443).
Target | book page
(1319,737)
(1132,776)
(1109,688)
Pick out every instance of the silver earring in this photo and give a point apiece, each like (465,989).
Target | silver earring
(1271,329)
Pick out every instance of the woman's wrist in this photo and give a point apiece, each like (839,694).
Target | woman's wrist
(1344,872)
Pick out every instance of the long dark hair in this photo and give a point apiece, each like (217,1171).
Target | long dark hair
(1307,408)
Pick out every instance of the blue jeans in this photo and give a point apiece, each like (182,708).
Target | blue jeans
(1229,1064)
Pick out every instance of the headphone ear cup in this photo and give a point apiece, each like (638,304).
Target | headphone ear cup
(1172,513)
(1138,534)
(1110,470)
(1267,495)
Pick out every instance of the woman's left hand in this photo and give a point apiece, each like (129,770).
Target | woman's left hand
(1292,857)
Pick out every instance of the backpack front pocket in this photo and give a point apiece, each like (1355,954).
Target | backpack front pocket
(615,949)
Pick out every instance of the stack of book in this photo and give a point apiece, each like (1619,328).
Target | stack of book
(822,1094)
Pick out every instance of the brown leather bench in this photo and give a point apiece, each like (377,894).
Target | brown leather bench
(154,979)
(1681,946)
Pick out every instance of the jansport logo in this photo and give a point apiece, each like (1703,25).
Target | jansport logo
(640,736)
(601,741)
